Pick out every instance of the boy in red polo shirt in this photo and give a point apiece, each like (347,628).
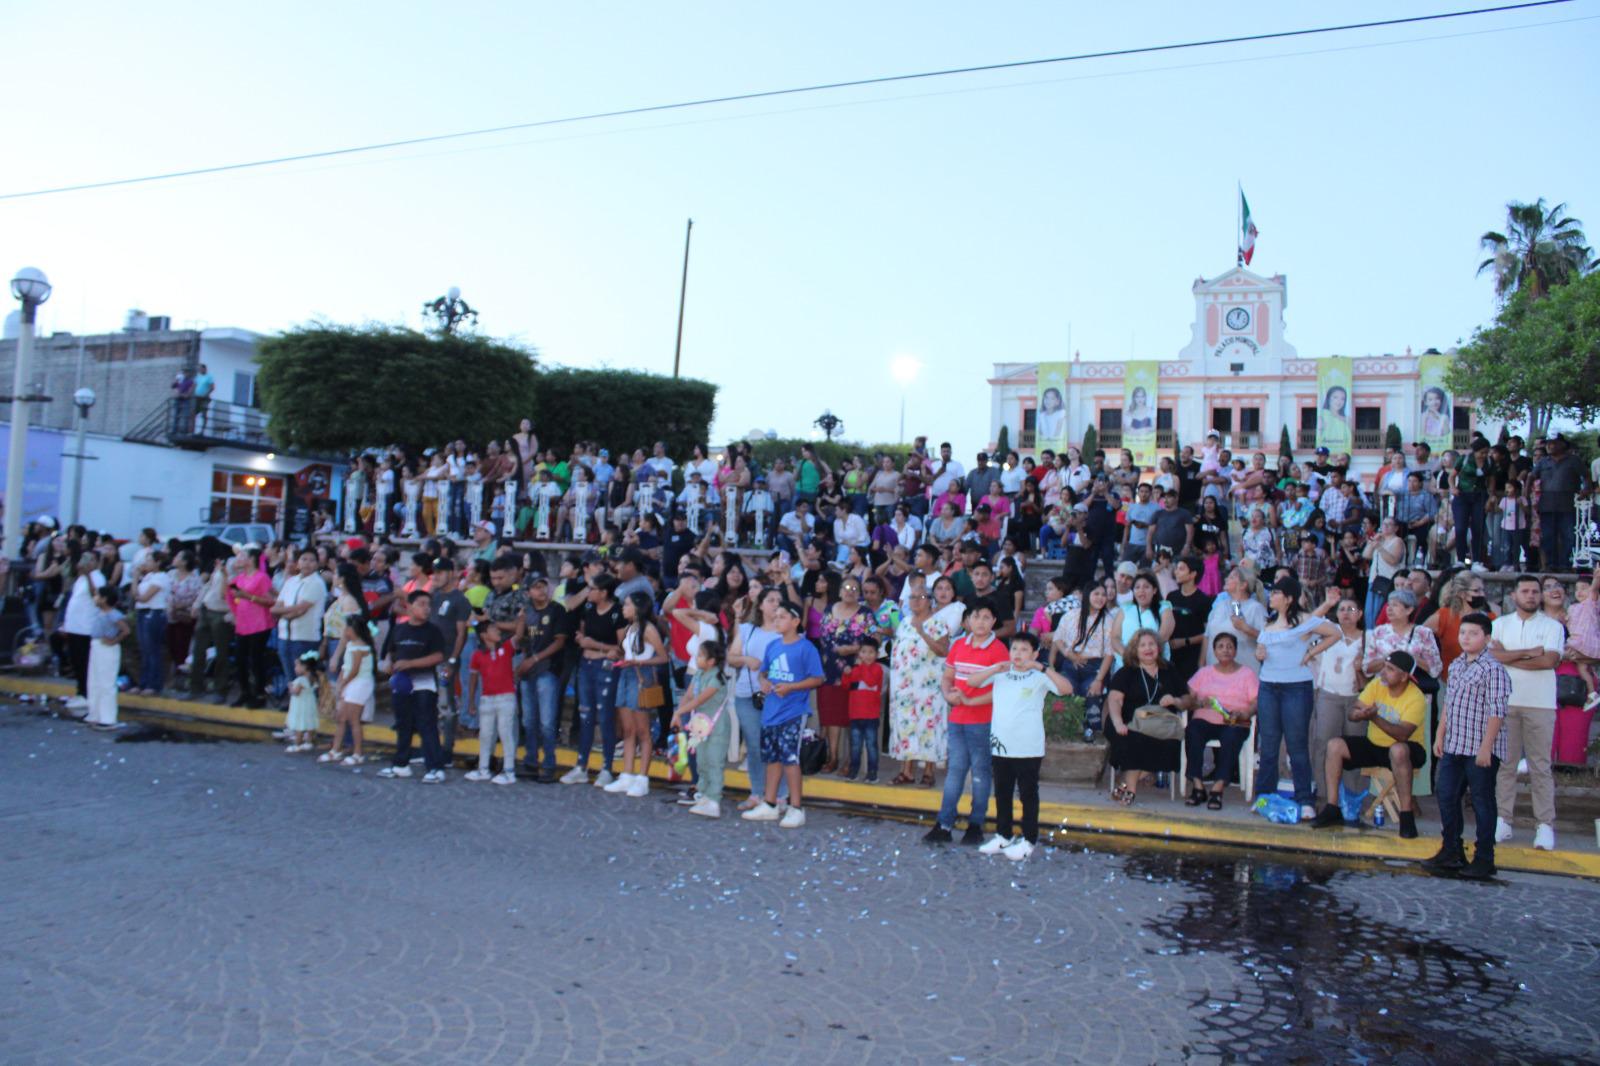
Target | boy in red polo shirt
(497,705)
(970,711)
(864,681)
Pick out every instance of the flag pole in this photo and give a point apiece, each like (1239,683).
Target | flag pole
(1238,228)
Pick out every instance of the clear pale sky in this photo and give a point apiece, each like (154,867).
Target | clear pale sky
(963,221)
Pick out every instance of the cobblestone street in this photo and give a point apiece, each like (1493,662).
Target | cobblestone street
(221,902)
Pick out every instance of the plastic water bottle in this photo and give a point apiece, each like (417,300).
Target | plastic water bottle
(1378,817)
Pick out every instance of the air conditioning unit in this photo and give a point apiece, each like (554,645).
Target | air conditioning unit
(160,323)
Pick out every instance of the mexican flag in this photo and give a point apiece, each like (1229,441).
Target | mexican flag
(1247,230)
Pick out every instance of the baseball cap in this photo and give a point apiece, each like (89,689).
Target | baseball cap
(605,453)
(355,542)
(1322,451)
(1213,433)
(487,527)
(1127,570)
(1402,661)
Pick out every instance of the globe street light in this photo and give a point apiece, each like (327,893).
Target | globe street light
(32,288)
(84,400)
(904,369)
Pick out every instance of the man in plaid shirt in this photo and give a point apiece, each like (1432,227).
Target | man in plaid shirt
(1469,747)
(1310,564)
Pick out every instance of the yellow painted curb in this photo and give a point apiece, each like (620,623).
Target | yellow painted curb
(1078,817)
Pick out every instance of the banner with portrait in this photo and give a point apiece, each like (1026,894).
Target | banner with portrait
(1050,410)
(1435,421)
(1139,380)
(1334,409)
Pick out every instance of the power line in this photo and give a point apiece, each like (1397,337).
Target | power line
(791,91)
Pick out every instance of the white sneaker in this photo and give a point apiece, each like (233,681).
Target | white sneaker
(688,799)
(707,808)
(478,775)
(308,746)
(1307,812)
(1502,831)
(433,777)
(793,818)
(394,771)
(603,779)
(291,749)
(1018,850)
(1544,838)
(504,779)
(621,784)
(1593,701)
(640,787)
(278,734)
(761,812)
(575,776)
(994,845)
(77,703)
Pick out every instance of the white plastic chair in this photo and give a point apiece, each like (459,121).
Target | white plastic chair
(1247,762)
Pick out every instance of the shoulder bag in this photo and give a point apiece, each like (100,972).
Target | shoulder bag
(1153,720)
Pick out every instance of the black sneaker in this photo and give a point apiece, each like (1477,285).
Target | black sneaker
(1446,860)
(872,779)
(1476,870)
(1329,817)
(973,836)
(1408,825)
(937,835)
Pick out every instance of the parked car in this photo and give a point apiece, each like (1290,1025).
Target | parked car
(236,533)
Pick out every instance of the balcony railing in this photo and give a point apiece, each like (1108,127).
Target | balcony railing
(181,423)
(1367,440)
(1166,439)
(1306,438)
(1026,439)
(1110,438)
(1461,439)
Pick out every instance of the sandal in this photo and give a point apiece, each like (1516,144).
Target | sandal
(1214,802)
(1123,795)
(1196,797)
(902,778)
(331,756)
(927,778)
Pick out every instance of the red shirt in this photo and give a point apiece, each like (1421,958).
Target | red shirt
(866,691)
(967,659)
(495,669)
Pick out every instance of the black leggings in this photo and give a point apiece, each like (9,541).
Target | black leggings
(252,664)
(78,655)
(1021,775)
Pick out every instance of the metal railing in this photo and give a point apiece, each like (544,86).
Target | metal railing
(185,423)
(1367,440)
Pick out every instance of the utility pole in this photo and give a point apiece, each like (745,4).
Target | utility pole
(683,292)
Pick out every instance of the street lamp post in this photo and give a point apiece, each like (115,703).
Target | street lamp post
(32,288)
(84,399)
(904,368)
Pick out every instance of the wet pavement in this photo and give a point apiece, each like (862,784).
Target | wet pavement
(219,902)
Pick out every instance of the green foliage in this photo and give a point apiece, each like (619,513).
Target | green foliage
(341,388)
(1286,445)
(1002,444)
(1540,359)
(1091,441)
(1540,249)
(830,452)
(622,409)
(1064,718)
(1392,438)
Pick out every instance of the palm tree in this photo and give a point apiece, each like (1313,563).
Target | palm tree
(1540,249)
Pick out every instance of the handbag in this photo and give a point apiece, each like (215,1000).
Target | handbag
(1157,723)
(813,752)
(1570,690)
(1426,682)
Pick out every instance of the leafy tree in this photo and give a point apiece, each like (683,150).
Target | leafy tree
(1285,445)
(1091,441)
(1540,359)
(622,409)
(1392,438)
(1002,444)
(340,388)
(831,452)
(1540,249)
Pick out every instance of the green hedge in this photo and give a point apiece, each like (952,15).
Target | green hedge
(830,452)
(623,409)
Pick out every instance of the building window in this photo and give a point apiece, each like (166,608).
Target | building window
(1110,418)
(244,389)
(245,496)
(1370,418)
(1028,420)
(1368,433)
(1222,420)
(1250,420)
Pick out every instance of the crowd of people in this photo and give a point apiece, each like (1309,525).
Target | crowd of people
(1199,605)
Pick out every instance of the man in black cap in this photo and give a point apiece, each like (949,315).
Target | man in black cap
(631,576)
(1396,713)
(983,475)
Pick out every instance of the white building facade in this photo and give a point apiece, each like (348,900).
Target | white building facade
(1240,376)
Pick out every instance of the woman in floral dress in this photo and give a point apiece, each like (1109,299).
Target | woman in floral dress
(917,710)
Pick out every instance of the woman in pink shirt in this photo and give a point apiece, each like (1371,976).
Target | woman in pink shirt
(249,598)
(1226,685)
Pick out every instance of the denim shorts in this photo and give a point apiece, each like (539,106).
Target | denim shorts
(781,743)
(630,679)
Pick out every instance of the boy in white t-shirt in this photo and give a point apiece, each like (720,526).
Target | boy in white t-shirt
(1016,736)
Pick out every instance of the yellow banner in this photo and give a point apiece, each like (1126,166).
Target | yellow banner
(1139,410)
(1435,421)
(1050,412)
(1334,407)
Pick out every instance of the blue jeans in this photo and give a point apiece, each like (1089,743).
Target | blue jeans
(1284,715)
(1081,677)
(969,750)
(1467,510)
(1457,774)
(467,707)
(597,694)
(456,512)
(864,735)
(1050,542)
(152,649)
(289,651)
(541,708)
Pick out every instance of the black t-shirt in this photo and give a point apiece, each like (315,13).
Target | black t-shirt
(603,626)
(679,542)
(1139,688)
(998,600)
(449,609)
(407,640)
(1189,485)
(1100,523)
(1169,529)
(544,625)
(1189,615)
